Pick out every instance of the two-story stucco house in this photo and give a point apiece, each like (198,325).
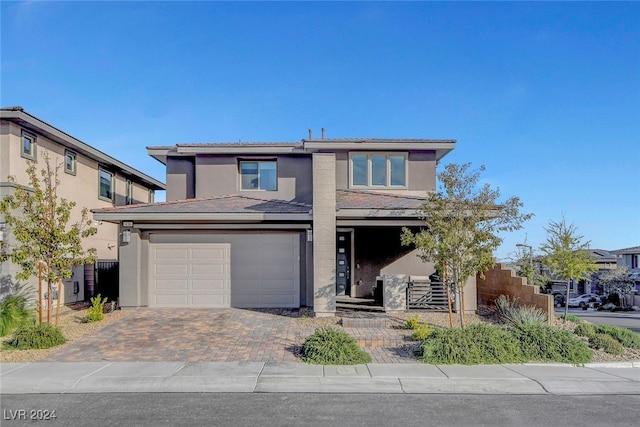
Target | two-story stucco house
(277,224)
(87,176)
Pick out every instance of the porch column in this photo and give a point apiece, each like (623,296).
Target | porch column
(324,234)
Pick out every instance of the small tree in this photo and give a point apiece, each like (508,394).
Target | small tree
(529,266)
(565,254)
(461,226)
(39,222)
(617,280)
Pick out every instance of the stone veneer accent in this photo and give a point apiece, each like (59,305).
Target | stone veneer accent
(324,234)
(501,280)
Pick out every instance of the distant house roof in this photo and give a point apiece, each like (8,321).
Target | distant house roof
(601,255)
(19,116)
(632,250)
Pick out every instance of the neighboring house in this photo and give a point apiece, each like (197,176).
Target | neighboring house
(87,176)
(604,260)
(277,224)
(630,257)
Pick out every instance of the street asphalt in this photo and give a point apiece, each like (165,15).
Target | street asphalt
(257,377)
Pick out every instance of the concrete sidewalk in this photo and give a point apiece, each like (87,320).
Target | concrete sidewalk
(249,377)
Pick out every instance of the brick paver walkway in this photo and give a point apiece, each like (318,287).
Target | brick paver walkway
(215,335)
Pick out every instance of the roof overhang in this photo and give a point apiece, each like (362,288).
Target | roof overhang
(182,217)
(27,121)
(440,147)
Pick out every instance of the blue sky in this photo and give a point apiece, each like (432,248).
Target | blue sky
(545,95)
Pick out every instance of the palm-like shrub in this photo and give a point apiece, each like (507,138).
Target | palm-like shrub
(15,311)
(511,313)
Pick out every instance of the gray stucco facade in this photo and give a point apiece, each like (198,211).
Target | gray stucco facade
(287,246)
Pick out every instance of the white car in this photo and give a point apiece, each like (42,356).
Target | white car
(583,300)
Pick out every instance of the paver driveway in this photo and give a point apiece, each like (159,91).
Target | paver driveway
(193,335)
(204,335)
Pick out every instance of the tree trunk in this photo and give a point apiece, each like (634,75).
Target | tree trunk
(60,285)
(460,305)
(566,302)
(449,304)
(39,293)
(49,301)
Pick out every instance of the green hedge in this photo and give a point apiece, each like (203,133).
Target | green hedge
(625,336)
(39,336)
(607,343)
(541,343)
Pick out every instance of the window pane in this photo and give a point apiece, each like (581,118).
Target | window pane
(268,176)
(359,170)
(105,185)
(397,170)
(27,146)
(249,173)
(378,170)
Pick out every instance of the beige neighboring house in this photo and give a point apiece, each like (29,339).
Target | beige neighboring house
(87,176)
(280,224)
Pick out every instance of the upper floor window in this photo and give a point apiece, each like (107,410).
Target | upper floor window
(28,146)
(129,193)
(378,170)
(70,166)
(105,185)
(259,175)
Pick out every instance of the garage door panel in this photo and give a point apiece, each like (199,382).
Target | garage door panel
(171,300)
(171,269)
(277,300)
(278,272)
(206,285)
(206,301)
(211,270)
(176,284)
(171,254)
(209,254)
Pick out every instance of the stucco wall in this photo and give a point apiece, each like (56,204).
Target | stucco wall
(218,176)
(501,280)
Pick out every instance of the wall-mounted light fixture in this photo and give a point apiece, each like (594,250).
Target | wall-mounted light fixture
(126,236)
(127,223)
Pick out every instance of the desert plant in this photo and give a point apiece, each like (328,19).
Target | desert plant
(541,343)
(412,322)
(607,343)
(95,312)
(585,330)
(625,336)
(328,346)
(421,332)
(510,313)
(475,344)
(43,335)
(15,311)
(570,318)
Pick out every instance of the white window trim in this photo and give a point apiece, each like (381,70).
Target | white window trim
(387,155)
(34,145)
(74,169)
(261,160)
(113,189)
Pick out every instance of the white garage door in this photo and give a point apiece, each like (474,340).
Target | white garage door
(263,269)
(190,275)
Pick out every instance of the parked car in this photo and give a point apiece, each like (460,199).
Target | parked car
(583,300)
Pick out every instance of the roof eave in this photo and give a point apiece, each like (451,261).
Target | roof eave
(200,216)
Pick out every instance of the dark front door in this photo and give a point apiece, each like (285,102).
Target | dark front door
(343,260)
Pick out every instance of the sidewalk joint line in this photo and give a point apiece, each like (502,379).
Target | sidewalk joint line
(86,376)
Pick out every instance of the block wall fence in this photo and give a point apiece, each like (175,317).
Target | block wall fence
(501,280)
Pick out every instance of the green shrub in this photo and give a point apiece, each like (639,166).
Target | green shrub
(607,343)
(421,332)
(474,344)
(39,336)
(412,322)
(15,312)
(585,330)
(95,313)
(571,318)
(328,346)
(625,336)
(541,343)
(510,313)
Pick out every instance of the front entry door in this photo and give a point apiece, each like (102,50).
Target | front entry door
(343,258)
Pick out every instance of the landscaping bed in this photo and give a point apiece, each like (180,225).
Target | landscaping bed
(73,325)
